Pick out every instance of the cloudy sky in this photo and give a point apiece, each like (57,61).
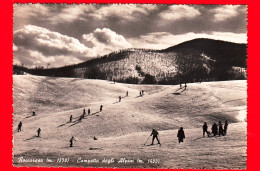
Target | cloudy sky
(60,34)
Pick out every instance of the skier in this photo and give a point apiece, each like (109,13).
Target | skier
(38,132)
(101,108)
(142,92)
(70,118)
(220,129)
(71,141)
(33,113)
(214,129)
(225,128)
(181,135)
(205,129)
(155,135)
(20,126)
(126,94)
(88,111)
(119,98)
(84,112)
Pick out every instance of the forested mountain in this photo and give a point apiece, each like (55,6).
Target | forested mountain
(191,61)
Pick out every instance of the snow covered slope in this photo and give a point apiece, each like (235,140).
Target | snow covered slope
(123,127)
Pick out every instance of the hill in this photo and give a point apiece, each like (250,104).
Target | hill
(192,61)
(227,53)
(123,127)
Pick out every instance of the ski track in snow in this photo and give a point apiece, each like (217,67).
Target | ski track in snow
(123,127)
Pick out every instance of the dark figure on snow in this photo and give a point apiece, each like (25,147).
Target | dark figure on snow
(71,141)
(205,129)
(126,94)
(225,128)
(88,111)
(70,118)
(80,118)
(84,112)
(155,134)
(214,129)
(220,128)
(38,132)
(142,92)
(119,98)
(181,135)
(20,126)
(33,113)
(114,81)
(95,138)
(185,86)
(101,108)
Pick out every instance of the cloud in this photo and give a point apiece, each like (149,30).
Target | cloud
(15,48)
(72,12)
(128,12)
(162,40)
(225,12)
(130,20)
(177,12)
(25,11)
(36,45)
(104,41)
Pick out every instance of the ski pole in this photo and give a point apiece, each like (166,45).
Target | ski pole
(147,139)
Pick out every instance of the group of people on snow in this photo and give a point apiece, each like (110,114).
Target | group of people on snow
(216,129)
(155,134)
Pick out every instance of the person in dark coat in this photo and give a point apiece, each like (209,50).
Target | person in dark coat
(71,141)
(33,113)
(155,135)
(126,94)
(88,111)
(220,128)
(181,135)
(225,128)
(80,118)
(70,118)
(119,98)
(101,107)
(205,129)
(185,86)
(20,126)
(84,112)
(214,129)
(142,92)
(38,132)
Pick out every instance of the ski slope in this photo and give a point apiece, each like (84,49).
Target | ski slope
(123,127)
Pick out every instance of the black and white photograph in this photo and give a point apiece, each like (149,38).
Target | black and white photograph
(130,86)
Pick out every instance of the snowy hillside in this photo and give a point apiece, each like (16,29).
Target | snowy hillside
(123,127)
(206,59)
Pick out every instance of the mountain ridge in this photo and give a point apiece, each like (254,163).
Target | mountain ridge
(210,60)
